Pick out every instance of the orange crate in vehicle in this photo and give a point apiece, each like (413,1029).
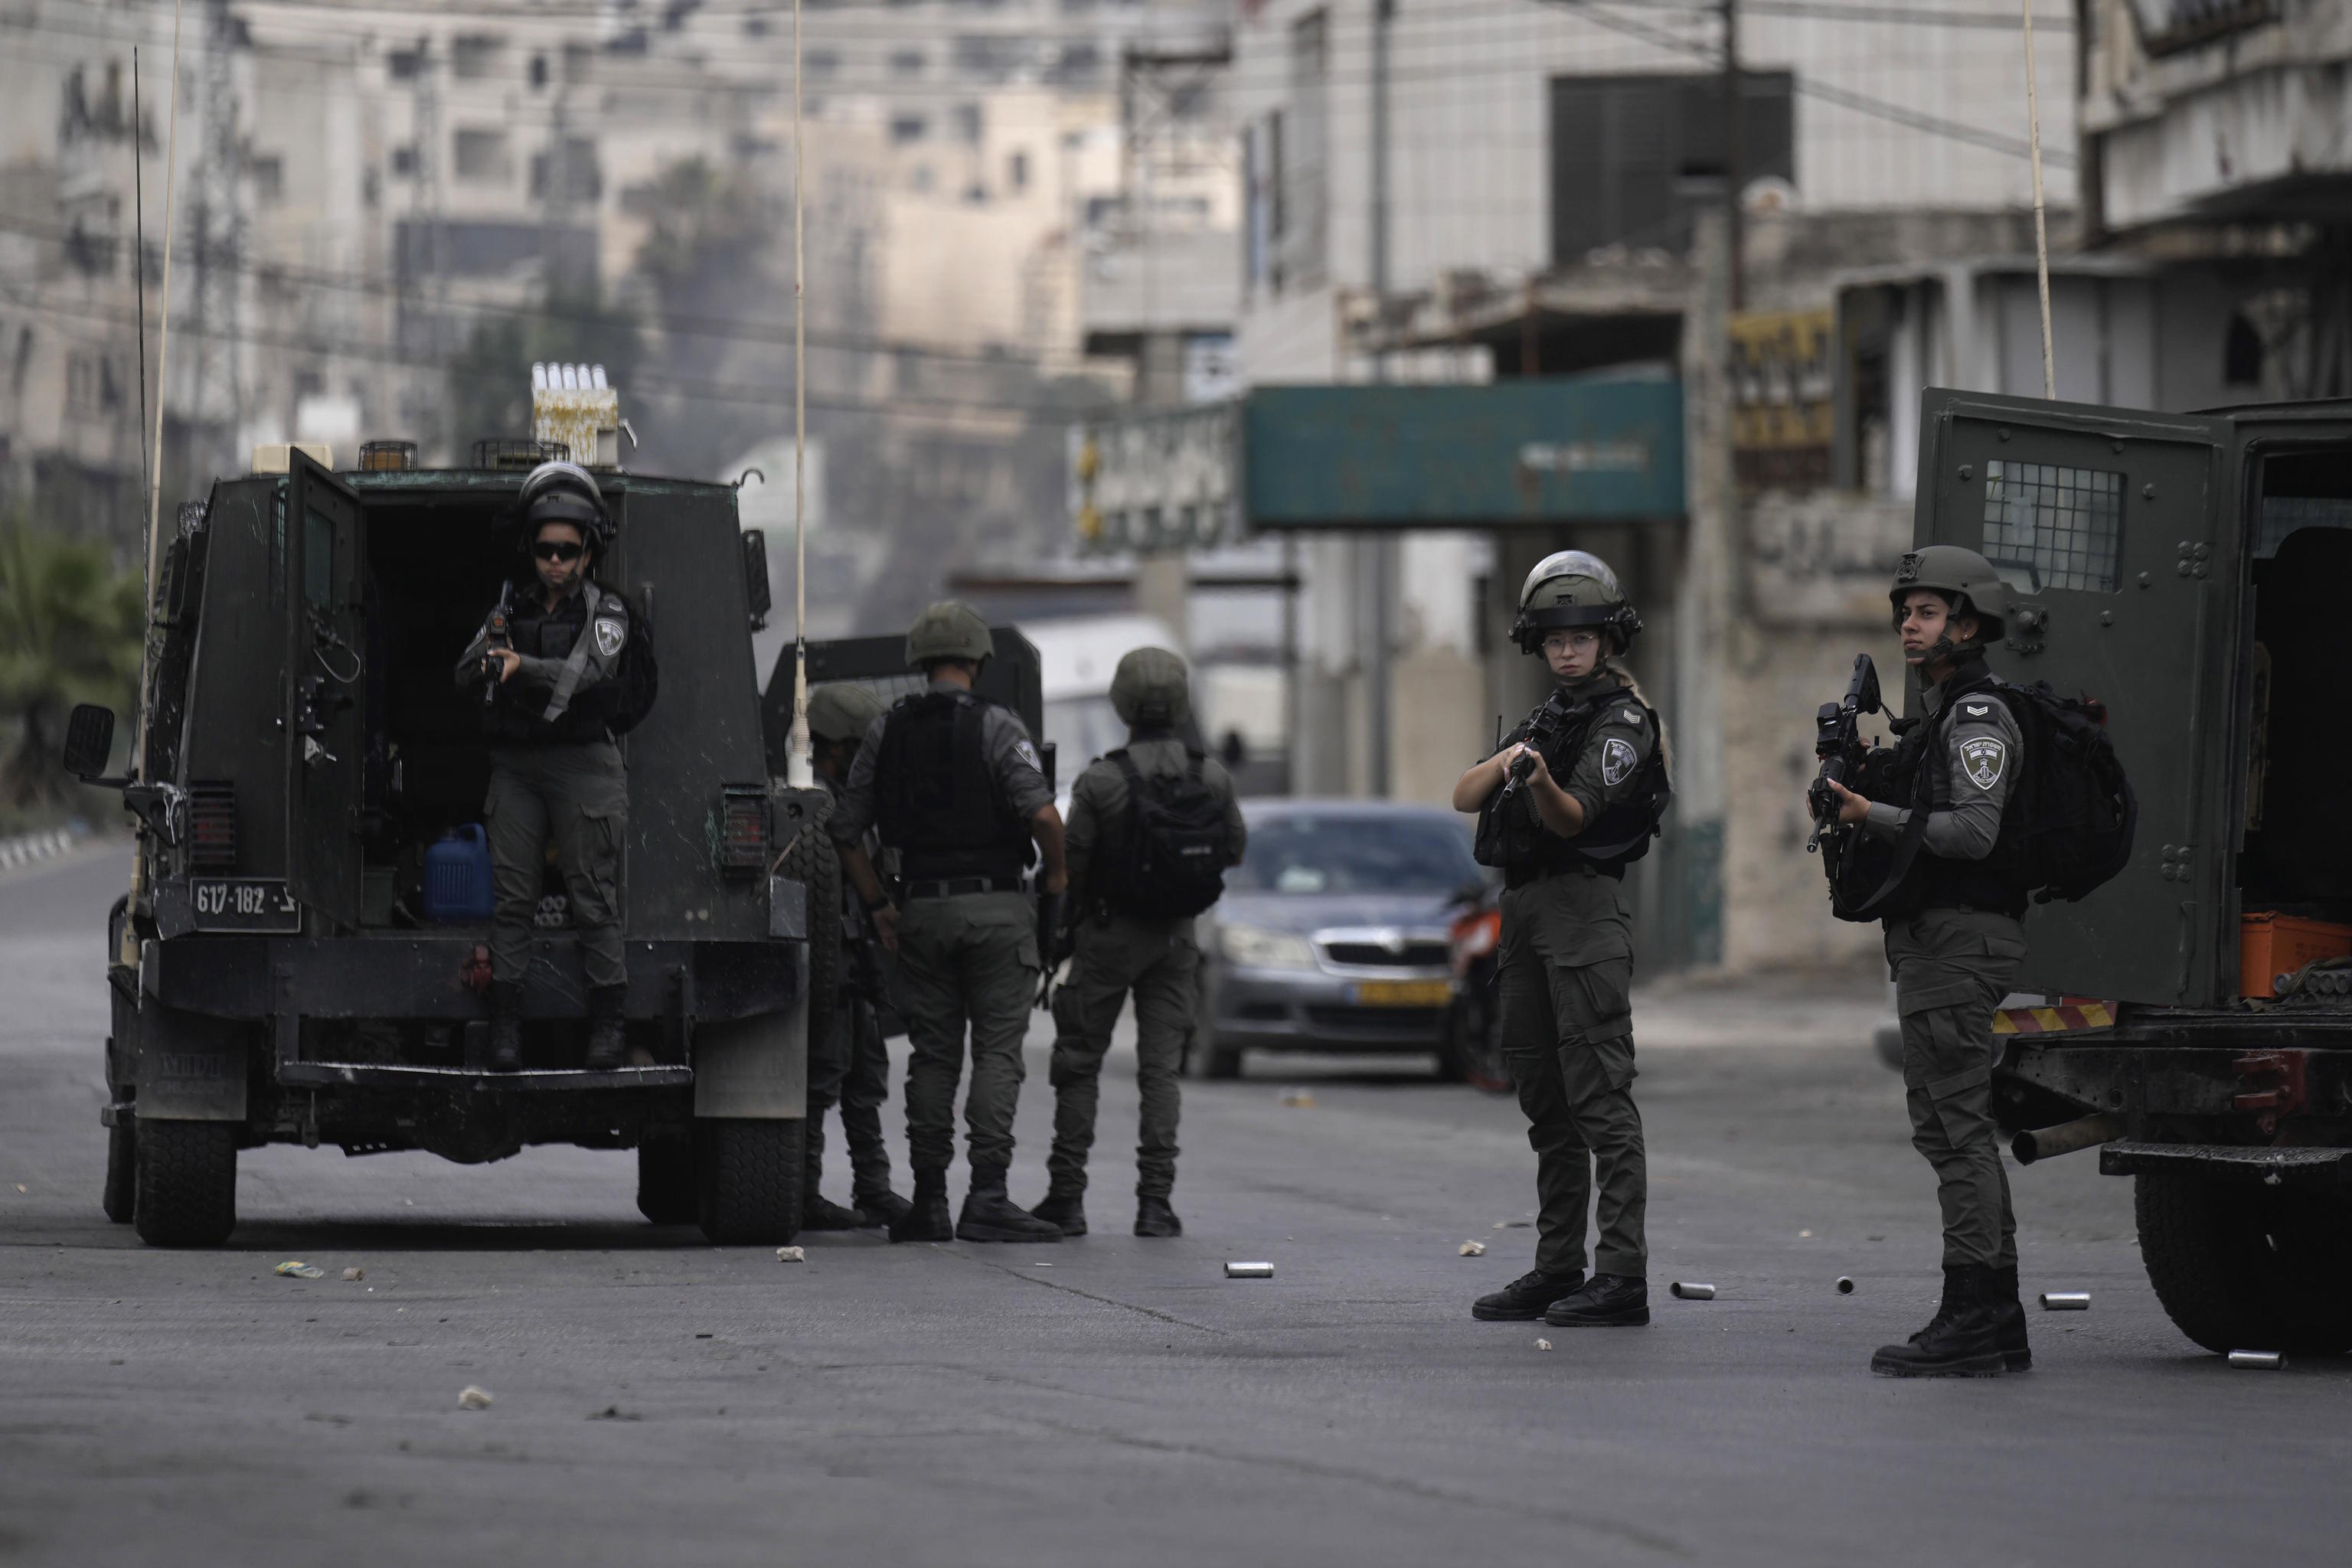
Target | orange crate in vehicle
(2272,944)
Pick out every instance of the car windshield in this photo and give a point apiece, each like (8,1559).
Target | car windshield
(1357,852)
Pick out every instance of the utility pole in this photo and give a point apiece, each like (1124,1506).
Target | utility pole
(1379,671)
(1735,219)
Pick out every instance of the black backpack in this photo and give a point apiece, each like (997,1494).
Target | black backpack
(2079,812)
(1174,844)
(640,680)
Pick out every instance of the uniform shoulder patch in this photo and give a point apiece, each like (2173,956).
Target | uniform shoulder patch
(611,635)
(1617,759)
(1629,716)
(1977,710)
(1028,753)
(1982,758)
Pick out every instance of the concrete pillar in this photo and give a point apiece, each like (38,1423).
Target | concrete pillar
(1703,606)
(1164,587)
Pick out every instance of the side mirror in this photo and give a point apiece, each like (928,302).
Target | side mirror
(90,740)
(755,576)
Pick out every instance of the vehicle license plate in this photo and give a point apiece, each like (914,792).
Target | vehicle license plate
(1402,993)
(243,903)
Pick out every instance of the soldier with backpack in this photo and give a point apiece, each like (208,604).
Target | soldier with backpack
(1153,827)
(1952,894)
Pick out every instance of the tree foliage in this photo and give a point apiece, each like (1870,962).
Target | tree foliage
(70,631)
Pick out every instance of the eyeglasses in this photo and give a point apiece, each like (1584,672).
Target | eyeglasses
(1578,642)
(557,550)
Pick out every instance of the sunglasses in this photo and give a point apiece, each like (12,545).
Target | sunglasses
(557,550)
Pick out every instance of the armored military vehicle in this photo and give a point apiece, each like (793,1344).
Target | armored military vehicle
(279,973)
(2187,571)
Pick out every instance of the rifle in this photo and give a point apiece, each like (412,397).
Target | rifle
(496,635)
(1837,740)
(1544,727)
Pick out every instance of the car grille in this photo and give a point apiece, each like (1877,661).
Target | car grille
(1374,955)
(1403,1023)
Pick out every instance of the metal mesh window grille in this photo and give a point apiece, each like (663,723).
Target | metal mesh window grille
(2057,527)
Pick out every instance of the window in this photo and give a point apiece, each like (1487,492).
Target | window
(269,180)
(1634,156)
(906,128)
(1016,171)
(967,123)
(2056,528)
(482,156)
(474,56)
(906,62)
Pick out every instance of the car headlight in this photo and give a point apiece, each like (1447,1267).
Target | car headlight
(1254,948)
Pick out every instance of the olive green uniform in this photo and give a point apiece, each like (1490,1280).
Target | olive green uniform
(1117,953)
(1952,965)
(1564,976)
(967,961)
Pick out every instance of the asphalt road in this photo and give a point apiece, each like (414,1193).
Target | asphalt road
(1112,1400)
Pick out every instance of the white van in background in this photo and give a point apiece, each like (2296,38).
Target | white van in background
(1236,708)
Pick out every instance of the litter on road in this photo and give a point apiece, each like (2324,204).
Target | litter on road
(2065,1301)
(790,1255)
(353,1275)
(295,1269)
(1543,1344)
(1249,1270)
(1473,1249)
(1297,1099)
(2258,1361)
(1685,1290)
(1845,1285)
(472,1398)
(1510,1225)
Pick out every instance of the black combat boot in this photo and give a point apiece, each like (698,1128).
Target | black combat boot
(1607,1301)
(926,1218)
(1526,1296)
(506,1025)
(883,1207)
(1962,1340)
(1066,1211)
(988,1216)
(1154,1218)
(608,1033)
(2016,1355)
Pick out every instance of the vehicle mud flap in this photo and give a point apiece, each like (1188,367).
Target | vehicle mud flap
(755,1067)
(186,1067)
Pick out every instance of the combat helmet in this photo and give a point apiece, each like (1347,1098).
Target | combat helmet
(561,491)
(948,629)
(842,710)
(1573,588)
(1967,581)
(1148,690)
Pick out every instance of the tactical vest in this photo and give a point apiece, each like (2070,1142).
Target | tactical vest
(935,797)
(1918,777)
(551,635)
(1512,835)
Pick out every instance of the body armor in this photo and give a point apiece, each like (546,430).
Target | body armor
(1511,835)
(936,799)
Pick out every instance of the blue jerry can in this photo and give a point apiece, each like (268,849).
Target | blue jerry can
(457,876)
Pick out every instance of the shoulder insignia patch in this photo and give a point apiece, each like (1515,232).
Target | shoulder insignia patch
(1977,710)
(1631,716)
(1982,758)
(1617,760)
(612,632)
(1028,753)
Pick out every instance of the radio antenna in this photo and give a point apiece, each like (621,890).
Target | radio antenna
(139,271)
(2040,222)
(798,771)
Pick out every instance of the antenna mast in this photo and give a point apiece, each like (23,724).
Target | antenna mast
(2040,223)
(798,771)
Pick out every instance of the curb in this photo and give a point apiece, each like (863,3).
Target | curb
(28,848)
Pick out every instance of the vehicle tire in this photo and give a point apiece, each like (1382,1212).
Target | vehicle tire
(122,1169)
(1453,1057)
(1219,1059)
(811,860)
(666,1176)
(185,1182)
(748,1186)
(2245,1267)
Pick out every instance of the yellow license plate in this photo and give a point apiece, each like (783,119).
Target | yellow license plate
(1402,993)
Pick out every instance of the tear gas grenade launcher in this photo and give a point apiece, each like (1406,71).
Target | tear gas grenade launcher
(497,636)
(1837,740)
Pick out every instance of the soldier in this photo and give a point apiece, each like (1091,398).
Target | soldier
(1153,825)
(555,681)
(1573,795)
(954,784)
(1955,948)
(850,1064)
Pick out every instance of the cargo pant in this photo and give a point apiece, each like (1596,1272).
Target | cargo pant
(579,796)
(970,961)
(1563,979)
(1951,969)
(1157,962)
(851,1067)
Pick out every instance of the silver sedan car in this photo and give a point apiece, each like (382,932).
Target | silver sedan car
(1332,936)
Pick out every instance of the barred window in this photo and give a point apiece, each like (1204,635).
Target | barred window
(2054,527)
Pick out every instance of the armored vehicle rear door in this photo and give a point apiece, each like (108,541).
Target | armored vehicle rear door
(2109,527)
(325,690)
